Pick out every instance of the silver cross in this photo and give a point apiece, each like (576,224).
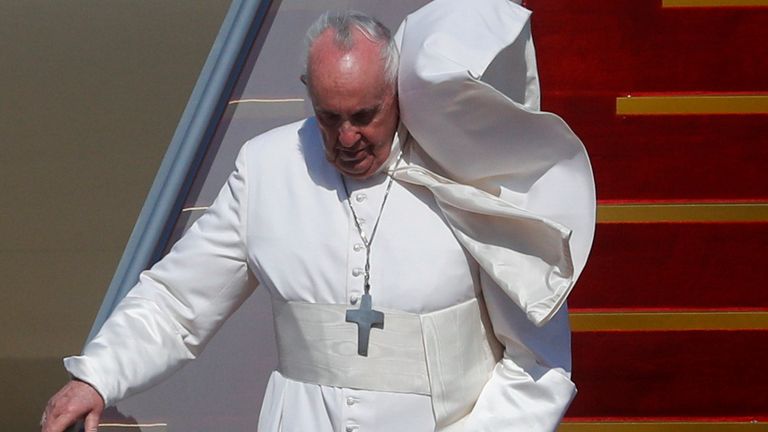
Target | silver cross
(365,318)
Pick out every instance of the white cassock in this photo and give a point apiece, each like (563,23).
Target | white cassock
(282,220)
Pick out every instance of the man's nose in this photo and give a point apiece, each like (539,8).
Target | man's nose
(348,135)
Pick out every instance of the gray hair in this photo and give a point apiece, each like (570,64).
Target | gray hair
(343,22)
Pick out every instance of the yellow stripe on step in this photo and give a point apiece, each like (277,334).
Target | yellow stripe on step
(712,3)
(668,321)
(689,212)
(692,105)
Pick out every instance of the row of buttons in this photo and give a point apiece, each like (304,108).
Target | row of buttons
(353,299)
(356,272)
(351,427)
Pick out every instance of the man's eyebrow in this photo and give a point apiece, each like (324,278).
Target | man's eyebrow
(367,110)
(363,111)
(325,111)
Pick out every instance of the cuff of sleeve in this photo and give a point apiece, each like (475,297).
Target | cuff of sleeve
(79,368)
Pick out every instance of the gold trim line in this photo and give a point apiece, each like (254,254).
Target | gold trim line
(712,3)
(688,212)
(629,426)
(286,100)
(668,321)
(189,209)
(692,105)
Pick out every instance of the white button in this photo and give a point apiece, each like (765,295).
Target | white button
(361,197)
(361,221)
(354,298)
(351,401)
(358,247)
(357,271)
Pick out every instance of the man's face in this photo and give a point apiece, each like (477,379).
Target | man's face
(355,107)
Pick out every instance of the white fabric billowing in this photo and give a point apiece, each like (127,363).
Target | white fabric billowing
(478,136)
(535,254)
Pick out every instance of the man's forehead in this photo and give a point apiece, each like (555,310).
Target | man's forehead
(327,51)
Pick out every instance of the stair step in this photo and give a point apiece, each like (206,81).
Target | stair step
(628,46)
(675,266)
(684,157)
(670,374)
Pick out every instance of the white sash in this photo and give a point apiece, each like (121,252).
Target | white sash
(448,354)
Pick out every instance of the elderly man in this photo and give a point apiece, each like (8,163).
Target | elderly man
(392,284)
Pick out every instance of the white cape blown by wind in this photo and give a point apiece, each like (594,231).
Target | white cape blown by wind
(521,196)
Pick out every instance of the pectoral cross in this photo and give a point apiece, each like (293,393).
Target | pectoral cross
(365,318)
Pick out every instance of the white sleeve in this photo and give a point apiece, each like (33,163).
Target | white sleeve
(530,388)
(177,305)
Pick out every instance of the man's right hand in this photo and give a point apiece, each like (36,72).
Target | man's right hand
(73,402)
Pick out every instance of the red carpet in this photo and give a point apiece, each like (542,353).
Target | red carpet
(591,52)
(675,266)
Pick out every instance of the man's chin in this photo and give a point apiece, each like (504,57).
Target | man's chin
(359,170)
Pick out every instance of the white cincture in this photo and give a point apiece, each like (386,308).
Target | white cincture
(448,354)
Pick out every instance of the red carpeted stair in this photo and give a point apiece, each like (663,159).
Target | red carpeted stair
(706,376)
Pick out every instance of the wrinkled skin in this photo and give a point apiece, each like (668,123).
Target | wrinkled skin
(356,108)
(73,402)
